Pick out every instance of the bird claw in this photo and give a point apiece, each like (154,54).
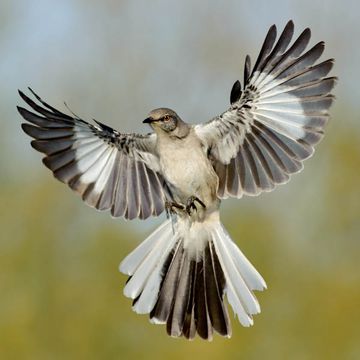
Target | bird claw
(191,206)
(171,207)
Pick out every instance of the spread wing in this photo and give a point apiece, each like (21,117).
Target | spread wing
(274,123)
(108,169)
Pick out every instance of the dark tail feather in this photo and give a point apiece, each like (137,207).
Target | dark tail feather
(167,292)
(202,320)
(191,296)
(189,327)
(176,319)
(215,284)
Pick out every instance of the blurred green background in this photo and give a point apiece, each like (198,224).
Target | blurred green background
(60,291)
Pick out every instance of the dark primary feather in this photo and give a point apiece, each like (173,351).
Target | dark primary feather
(108,169)
(280,46)
(278,119)
(247,69)
(235,92)
(265,49)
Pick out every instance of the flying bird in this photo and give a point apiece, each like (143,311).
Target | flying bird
(182,272)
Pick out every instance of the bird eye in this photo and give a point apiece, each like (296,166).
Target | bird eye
(166,118)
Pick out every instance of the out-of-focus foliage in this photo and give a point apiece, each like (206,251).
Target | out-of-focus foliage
(61,294)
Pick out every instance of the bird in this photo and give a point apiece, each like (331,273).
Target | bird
(183,272)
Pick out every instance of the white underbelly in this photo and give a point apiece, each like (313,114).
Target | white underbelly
(189,173)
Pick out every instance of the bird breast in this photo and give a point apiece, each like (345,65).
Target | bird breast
(187,169)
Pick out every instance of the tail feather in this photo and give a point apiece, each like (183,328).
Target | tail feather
(189,328)
(176,319)
(251,276)
(183,283)
(144,266)
(149,295)
(235,281)
(165,301)
(135,258)
(215,283)
(202,320)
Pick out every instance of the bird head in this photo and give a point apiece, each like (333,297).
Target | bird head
(164,119)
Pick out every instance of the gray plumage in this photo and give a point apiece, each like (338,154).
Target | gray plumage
(182,271)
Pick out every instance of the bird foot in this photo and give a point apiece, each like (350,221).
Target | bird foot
(191,206)
(171,208)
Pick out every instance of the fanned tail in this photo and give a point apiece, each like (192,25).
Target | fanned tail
(181,279)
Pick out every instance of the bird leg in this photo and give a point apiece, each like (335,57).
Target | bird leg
(171,209)
(190,204)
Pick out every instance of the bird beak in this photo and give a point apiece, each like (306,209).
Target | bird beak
(148,120)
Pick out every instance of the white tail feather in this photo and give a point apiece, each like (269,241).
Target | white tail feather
(239,296)
(141,272)
(149,294)
(251,276)
(134,259)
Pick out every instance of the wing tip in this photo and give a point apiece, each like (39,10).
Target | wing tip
(273,28)
(306,33)
(21,111)
(27,128)
(235,93)
(22,95)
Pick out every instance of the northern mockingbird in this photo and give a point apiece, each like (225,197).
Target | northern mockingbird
(181,273)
